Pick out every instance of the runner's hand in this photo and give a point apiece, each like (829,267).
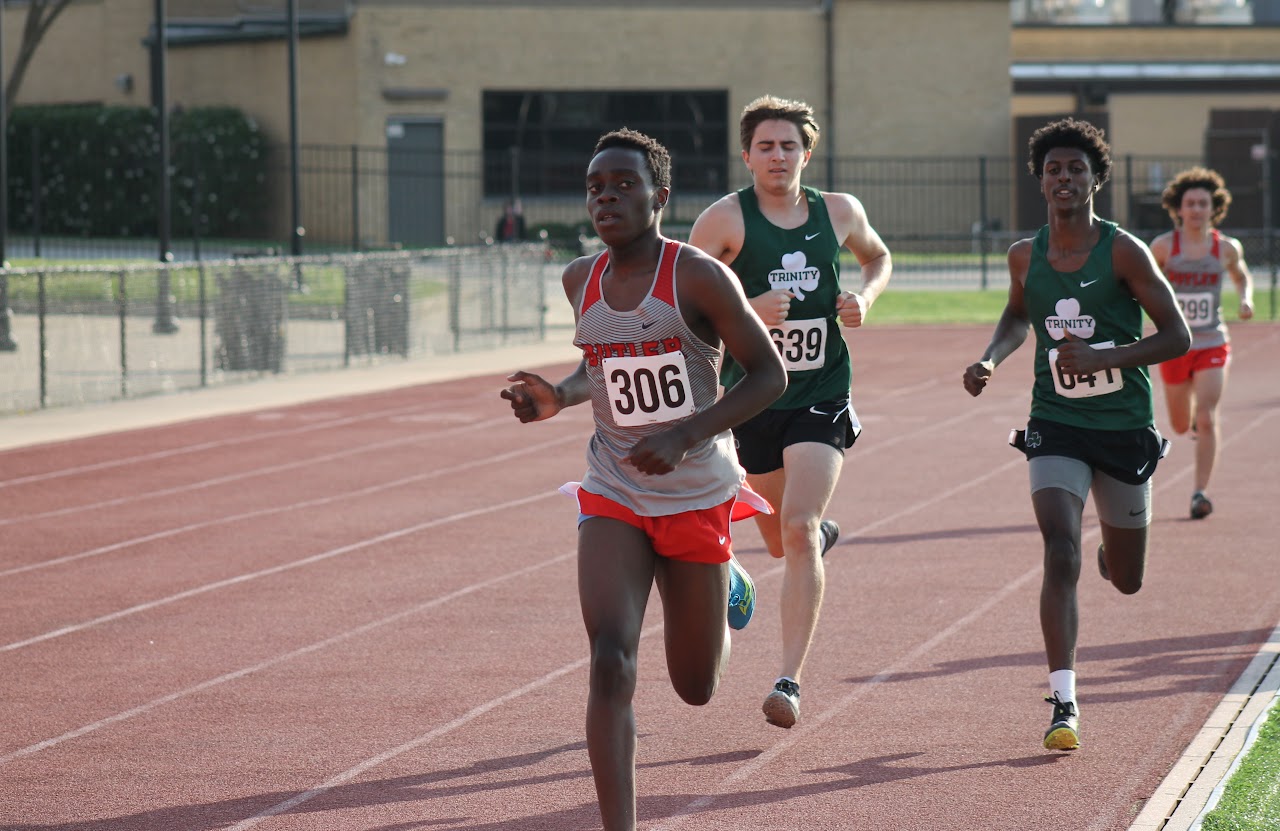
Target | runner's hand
(852,308)
(772,306)
(532,397)
(660,453)
(977,375)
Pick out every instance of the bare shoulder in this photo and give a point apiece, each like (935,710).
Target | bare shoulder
(719,229)
(1127,245)
(696,264)
(1020,251)
(1162,245)
(844,208)
(575,276)
(1232,250)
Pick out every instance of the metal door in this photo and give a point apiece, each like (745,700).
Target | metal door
(415,181)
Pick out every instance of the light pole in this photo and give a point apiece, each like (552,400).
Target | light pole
(295,189)
(7,343)
(164,323)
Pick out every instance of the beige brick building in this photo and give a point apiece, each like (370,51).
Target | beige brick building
(460,80)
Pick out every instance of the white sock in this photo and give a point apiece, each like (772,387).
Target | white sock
(1062,683)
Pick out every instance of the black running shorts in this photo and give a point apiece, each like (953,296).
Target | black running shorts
(1128,455)
(760,440)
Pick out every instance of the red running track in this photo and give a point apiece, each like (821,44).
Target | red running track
(361,614)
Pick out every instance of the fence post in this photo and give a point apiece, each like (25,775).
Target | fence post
(982,212)
(42,307)
(37,203)
(355,197)
(123,308)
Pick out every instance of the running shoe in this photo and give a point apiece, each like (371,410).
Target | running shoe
(1064,729)
(1102,565)
(782,706)
(830,533)
(742,595)
(1201,507)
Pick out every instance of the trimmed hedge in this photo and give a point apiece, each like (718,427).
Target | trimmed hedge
(97,169)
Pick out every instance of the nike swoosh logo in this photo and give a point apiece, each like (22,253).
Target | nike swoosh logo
(1139,512)
(647,325)
(722,539)
(1085,285)
(808,237)
(1144,467)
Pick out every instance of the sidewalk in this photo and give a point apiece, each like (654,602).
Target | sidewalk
(63,423)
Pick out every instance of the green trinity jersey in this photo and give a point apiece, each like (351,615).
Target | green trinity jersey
(1093,305)
(807,261)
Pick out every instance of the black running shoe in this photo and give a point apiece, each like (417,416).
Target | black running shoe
(830,532)
(1064,730)
(782,706)
(1201,507)
(1102,565)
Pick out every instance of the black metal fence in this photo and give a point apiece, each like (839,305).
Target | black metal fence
(361,199)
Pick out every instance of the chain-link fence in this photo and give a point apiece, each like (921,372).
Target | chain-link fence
(103,332)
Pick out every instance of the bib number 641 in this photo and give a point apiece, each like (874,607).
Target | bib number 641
(1069,385)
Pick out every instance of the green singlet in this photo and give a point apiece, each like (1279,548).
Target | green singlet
(1093,305)
(807,261)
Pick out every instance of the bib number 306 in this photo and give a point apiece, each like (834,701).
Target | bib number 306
(648,389)
(1085,386)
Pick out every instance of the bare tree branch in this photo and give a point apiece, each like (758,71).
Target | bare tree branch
(40,16)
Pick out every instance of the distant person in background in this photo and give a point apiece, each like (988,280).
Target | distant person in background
(510,227)
(1195,257)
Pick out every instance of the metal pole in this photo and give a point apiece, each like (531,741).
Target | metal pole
(982,215)
(828,14)
(7,343)
(164,323)
(295,191)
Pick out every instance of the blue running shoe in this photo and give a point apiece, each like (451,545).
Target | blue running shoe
(742,596)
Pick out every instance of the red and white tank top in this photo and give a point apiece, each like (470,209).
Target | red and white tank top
(648,371)
(1197,282)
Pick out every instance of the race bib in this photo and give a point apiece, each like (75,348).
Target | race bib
(648,389)
(1197,307)
(1085,386)
(801,343)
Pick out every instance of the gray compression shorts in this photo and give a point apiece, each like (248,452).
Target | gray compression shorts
(1118,504)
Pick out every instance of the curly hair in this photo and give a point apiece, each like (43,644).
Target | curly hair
(770,107)
(1197,177)
(656,156)
(1069,132)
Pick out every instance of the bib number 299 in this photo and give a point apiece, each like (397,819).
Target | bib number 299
(648,389)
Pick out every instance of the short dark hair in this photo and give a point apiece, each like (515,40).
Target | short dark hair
(769,108)
(1197,177)
(1069,132)
(656,156)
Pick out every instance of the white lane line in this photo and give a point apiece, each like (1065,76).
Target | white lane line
(235,675)
(206,445)
(283,567)
(249,474)
(308,503)
(514,694)
(792,738)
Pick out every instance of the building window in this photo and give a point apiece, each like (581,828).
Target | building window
(538,142)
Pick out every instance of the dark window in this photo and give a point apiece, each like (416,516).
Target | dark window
(539,142)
